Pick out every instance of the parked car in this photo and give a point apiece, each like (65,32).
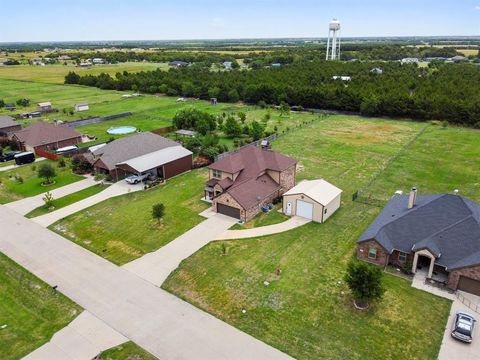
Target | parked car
(135,179)
(7,156)
(463,327)
(27,157)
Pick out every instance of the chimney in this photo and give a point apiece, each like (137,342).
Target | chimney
(412,200)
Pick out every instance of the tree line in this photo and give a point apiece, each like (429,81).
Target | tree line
(440,92)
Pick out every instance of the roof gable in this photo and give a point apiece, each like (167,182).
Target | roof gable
(41,133)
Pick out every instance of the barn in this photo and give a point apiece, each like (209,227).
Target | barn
(316,200)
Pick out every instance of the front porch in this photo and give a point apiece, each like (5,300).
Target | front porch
(434,284)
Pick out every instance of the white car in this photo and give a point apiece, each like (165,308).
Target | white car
(135,179)
(463,326)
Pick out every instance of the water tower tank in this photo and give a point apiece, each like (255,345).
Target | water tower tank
(335,25)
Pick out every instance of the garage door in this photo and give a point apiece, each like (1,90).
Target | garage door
(304,209)
(469,285)
(228,210)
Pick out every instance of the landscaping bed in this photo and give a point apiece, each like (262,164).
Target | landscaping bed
(264,219)
(127,351)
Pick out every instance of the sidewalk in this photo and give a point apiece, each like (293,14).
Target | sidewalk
(11,167)
(24,206)
(117,189)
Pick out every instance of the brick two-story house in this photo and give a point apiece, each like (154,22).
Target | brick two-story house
(241,183)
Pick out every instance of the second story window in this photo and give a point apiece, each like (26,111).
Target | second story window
(217,174)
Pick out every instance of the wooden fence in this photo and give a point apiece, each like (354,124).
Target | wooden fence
(46,154)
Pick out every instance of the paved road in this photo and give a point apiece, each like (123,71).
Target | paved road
(24,206)
(290,224)
(162,324)
(83,339)
(11,167)
(156,266)
(117,189)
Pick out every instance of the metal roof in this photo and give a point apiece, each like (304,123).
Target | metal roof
(156,159)
(319,190)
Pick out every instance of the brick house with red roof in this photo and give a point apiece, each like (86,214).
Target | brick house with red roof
(241,183)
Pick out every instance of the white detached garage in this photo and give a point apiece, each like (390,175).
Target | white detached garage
(316,200)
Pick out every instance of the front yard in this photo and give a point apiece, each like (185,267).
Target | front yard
(122,229)
(30,311)
(24,182)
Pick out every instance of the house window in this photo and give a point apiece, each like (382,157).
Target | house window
(402,256)
(217,174)
(372,253)
(325,211)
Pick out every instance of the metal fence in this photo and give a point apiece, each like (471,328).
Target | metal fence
(95,120)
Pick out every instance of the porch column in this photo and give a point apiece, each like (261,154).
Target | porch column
(414,266)
(430,270)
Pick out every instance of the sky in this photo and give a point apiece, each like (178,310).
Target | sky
(86,20)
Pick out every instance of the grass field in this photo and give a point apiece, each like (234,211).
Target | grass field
(11,189)
(30,309)
(122,229)
(127,351)
(55,74)
(307,311)
(67,200)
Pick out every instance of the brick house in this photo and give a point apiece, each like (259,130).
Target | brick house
(241,183)
(46,136)
(8,126)
(142,153)
(437,234)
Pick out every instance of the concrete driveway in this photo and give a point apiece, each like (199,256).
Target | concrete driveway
(24,206)
(452,349)
(156,266)
(162,324)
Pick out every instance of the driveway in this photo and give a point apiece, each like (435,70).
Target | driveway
(290,224)
(117,189)
(156,266)
(456,350)
(24,206)
(162,324)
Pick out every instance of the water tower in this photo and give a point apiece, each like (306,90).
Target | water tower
(333,44)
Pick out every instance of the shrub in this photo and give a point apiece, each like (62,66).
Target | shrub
(48,199)
(364,281)
(61,163)
(47,172)
(80,165)
(158,211)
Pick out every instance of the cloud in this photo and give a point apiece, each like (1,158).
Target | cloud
(477,7)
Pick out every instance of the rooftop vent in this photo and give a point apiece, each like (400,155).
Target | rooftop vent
(412,199)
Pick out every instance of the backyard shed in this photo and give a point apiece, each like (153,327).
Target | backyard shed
(316,200)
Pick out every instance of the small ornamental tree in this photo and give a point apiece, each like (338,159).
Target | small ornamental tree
(48,199)
(158,211)
(365,282)
(47,172)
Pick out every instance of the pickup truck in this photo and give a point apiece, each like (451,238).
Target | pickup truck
(7,156)
(135,179)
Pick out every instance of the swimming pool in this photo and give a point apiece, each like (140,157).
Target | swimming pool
(121,130)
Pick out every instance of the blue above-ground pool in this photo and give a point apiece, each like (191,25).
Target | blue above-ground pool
(121,130)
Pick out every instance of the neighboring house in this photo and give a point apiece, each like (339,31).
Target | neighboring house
(276,65)
(343,78)
(459,58)
(64,58)
(409,60)
(439,234)
(98,61)
(8,126)
(11,107)
(81,107)
(228,65)
(46,136)
(241,183)
(45,107)
(84,64)
(376,71)
(177,63)
(141,154)
(316,200)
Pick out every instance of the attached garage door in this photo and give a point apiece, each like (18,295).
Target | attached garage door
(228,210)
(304,209)
(469,285)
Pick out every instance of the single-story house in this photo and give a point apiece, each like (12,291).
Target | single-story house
(409,60)
(142,153)
(46,136)
(178,63)
(11,107)
(98,61)
(228,65)
(438,234)
(376,71)
(316,200)
(81,107)
(343,78)
(8,126)
(45,106)
(240,184)
(459,58)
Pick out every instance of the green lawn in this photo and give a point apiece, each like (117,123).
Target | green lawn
(307,310)
(30,309)
(67,200)
(122,229)
(11,189)
(127,351)
(263,219)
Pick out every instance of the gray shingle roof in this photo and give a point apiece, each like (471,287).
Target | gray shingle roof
(127,148)
(447,225)
(7,121)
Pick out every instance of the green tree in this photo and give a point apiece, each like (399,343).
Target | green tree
(47,172)
(72,78)
(232,127)
(364,281)
(257,130)
(48,199)
(158,211)
(370,105)
(284,109)
(242,116)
